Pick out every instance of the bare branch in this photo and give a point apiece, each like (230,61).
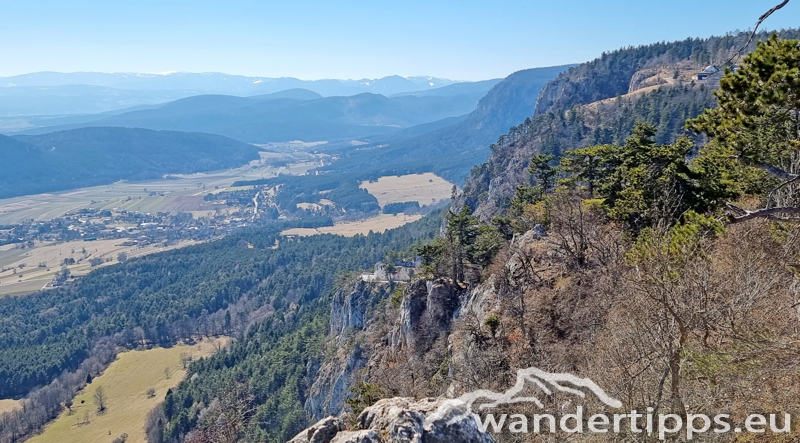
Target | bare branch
(755,30)
(769,214)
(778,188)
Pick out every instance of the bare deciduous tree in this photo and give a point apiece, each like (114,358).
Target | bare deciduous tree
(100,399)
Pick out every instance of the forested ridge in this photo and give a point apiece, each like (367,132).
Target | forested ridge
(610,74)
(97,156)
(588,105)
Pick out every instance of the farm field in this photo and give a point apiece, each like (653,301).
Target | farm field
(8,405)
(32,278)
(424,188)
(125,383)
(379,223)
(177,193)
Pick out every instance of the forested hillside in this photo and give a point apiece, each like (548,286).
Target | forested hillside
(597,103)
(95,156)
(610,75)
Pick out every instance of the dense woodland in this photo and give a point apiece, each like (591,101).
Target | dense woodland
(554,133)
(98,156)
(340,188)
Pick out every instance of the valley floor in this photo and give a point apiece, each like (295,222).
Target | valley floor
(178,193)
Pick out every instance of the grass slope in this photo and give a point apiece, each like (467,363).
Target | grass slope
(125,382)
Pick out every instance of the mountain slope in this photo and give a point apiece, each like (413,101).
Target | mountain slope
(284,117)
(78,99)
(471,89)
(612,73)
(452,151)
(94,156)
(598,102)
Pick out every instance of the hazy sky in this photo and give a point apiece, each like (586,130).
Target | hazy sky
(458,39)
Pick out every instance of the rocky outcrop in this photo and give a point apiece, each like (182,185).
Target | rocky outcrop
(426,312)
(645,78)
(402,420)
(322,432)
(333,377)
(332,383)
(349,306)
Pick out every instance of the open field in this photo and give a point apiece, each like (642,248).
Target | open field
(379,223)
(316,206)
(21,287)
(424,188)
(32,278)
(8,405)
(125,383)
(175,193)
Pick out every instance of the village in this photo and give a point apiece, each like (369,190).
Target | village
(38,255)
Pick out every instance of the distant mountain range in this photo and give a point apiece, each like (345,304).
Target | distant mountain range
(295,114)
(48,93)
(219,83)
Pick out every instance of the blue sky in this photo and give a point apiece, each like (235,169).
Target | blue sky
(458,39)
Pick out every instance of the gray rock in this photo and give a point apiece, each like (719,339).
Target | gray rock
(368,436)
(332,384)
(426,311)
(322,432)
(349,308)
(403,420)
(332,377)
(537,233)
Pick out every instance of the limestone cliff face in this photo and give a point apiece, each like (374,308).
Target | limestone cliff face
(426,312)
(558,93)
(333,376)
(362,335)
(349,306)
(369,336)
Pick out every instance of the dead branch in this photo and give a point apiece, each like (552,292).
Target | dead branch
(761,19)
(768,213)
